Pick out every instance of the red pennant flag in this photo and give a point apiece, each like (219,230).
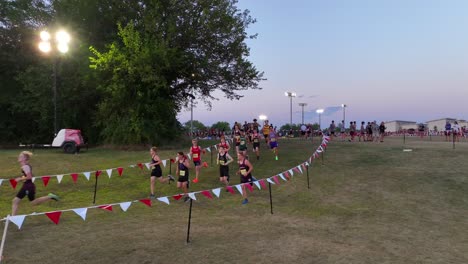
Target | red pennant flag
(146,201)
(229,188)
(207,194)
(303,166)
(120,170)
(54,216)
(172,160)
(248,186)
(140,165)
(177,196)
(74,177)
(262,183)
(275,178)
(296,170)
(46,179)
(106,207)
(205,164)
(13,183)
(288,177)
(98,172)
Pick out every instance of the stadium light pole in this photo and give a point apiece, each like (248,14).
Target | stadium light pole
(191,109)
(290,95)
(344,114)
(302,105)
(47,45)
(319,112)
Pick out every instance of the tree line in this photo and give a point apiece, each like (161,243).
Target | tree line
(131,66)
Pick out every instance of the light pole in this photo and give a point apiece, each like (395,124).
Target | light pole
(191,109)
(319,112)
(344,114)
(46,45)
(302,105)
(290,95)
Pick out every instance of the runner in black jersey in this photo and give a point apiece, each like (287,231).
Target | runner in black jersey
(256,144)
(182,171)
(245,172)
(223,160)
(156,172)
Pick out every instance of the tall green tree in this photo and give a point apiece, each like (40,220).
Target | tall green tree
(221,126)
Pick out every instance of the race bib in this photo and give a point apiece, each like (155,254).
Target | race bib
(242,142)
(237,137)
(195,155)
(182,173)
(221,162)
(273,139)
(256,140)
(244,172)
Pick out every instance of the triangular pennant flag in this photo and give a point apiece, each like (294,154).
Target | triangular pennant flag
(282,177)
(163,199)
(319,150)
(209,149)
(248,186)
(207,194)
(132,166)
(120,170)
(177,196)
(124,206)
(59,178)
(239,188)
(164,162)
(33,179)
(270,181)
(81,212)
(97,173)
(146,201)
(140,166)
(1,181)
(109,172)
(192,196)
(54,216)
(275,178)
(299,169)
(262,183)
(13,183)
(307,163)
(217,191)
(46,180)
(172,160)
(257,184)
(147,165)
(74,177)
(87,175)
(17,220)
(205,164)
(291,172)
(107,207)
(216,147)
(188,155)
(229,188)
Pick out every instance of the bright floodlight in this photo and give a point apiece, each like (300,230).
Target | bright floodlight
(343,105)
(62,37)
(262,117)
(319,111)
(45,36)
(45,47)
(62,47)
(290,94)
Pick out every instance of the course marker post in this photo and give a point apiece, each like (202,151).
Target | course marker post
(189,221)
(4,237)
(307,170)
(95,189)
(211,153)
(453,140)
(271,200)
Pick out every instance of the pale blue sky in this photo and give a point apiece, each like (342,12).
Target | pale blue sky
(386,60)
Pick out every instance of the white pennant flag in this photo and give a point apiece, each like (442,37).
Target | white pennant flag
(318,150)
(258,185)
(239,188)
(147,165)
(87,175)
(1,180)
(217,191)
(164,163)
(81,212)
(282,177)
(163,199)
(125,206)
(291,172)
(109,172)
(17,220)
(300,168)
(59,178)
(188,155)
(132,166)
(33,179)
(270,181)
(307,163)
(216,147)
(192,196)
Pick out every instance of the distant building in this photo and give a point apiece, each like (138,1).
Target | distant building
(439,124)
(398,125)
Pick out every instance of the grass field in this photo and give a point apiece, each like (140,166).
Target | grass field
(367,203)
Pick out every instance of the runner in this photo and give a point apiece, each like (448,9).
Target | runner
(362,133)
(195,151)
(266,130)
(243,143)
(332,128)
(156,172)
(245,172)
(224,144)
(28,188)
(223,160)
(182,171)
(237,135)
(256,144)
(272,138)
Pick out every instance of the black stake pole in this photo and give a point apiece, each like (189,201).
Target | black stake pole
(211,153)
(453,140)
(170,167)
(271,200)
(95,189)
(404,137)
(322,156)
(307,169)
(189,221)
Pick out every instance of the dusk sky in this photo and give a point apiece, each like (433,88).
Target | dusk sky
(386,60)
